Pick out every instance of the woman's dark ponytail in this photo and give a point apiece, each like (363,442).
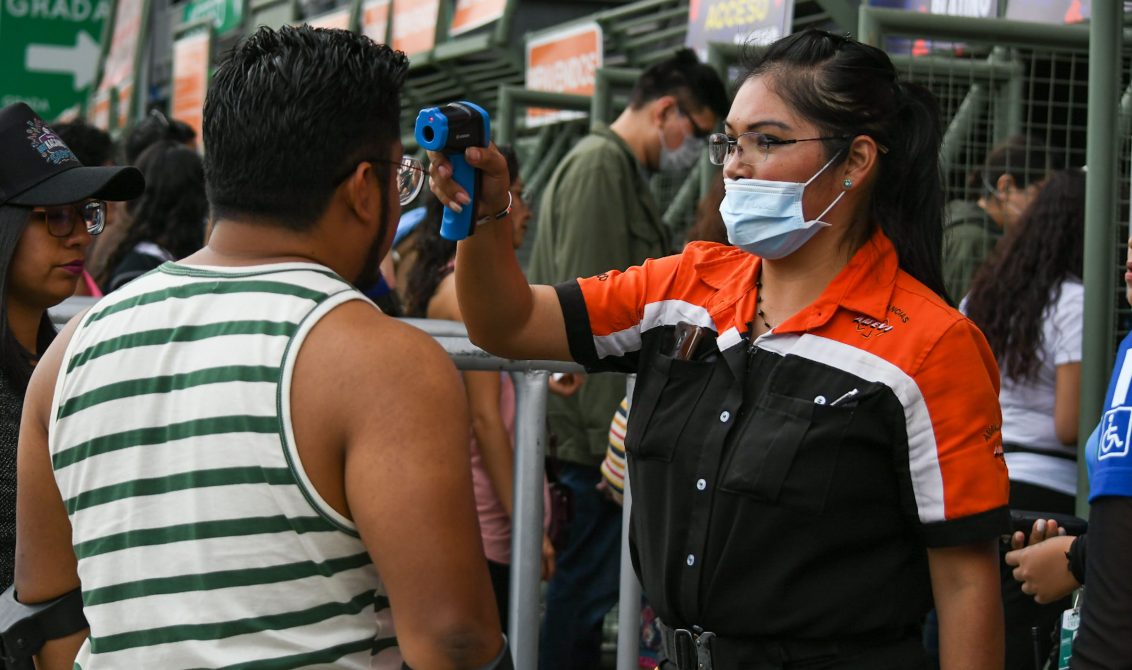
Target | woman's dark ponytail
(908,198)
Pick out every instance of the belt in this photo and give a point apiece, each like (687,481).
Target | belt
(697,649)
(687,649)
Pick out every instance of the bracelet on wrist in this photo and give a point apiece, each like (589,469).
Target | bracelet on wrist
(501,215)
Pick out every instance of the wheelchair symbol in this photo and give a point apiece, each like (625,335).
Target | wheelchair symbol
(1115,437)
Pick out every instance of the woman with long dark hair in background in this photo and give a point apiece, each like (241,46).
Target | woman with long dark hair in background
(50,206)
(1029,302)
(168,222)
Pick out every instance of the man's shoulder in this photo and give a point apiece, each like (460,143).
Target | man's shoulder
(596,151)
(355,337)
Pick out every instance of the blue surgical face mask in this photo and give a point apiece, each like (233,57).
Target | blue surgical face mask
(765,217)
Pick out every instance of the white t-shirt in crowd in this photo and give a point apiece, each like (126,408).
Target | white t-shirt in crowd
(1027,407)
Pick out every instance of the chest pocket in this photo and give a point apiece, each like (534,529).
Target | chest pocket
(664,399)
(789,440)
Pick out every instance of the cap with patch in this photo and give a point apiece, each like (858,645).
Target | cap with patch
(37,169)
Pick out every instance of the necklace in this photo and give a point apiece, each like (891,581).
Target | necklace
(759,302)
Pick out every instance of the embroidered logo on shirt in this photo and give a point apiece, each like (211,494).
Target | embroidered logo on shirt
(47,143)
(1115,433)
(992,431)
(868,327)
(898,313)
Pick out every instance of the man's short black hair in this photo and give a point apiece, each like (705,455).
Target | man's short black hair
(694,83)
(91,145)
(289,111)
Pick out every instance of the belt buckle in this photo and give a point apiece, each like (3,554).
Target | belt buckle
(685,645)
(693,648)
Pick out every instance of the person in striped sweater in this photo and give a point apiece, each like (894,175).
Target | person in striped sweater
(238,457)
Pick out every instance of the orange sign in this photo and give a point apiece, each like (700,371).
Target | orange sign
(471,14)
(375,20)
(339,18)
(100,114)
(414,25)
(118,69)
(125,94)
(191,60)
(563,61)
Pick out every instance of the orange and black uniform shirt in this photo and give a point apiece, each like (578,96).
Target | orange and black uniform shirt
(789,487)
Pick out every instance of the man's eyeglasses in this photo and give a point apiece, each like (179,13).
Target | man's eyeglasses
(696,130)
(747,146)
(410,176)
(61,220)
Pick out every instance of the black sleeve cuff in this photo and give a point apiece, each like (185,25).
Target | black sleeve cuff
(579,333)
(956,532)
(1078,555)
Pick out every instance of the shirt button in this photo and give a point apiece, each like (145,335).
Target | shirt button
(819,400)
(724,416)
(691,560)
(701,484)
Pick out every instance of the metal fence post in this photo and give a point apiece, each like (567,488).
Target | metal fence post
(526,523)
(629,603)
(1105,33)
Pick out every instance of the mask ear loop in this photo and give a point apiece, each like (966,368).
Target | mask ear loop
(839,195)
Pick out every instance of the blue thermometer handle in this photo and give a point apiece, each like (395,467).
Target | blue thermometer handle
(456,226)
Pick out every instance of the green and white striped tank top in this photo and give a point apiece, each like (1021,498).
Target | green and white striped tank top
(200,539)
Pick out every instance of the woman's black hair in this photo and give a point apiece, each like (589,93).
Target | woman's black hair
(434,253)
(848,89)
(172,211)
(16,363)
(1012,290)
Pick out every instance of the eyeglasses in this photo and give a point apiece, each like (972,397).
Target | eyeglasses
(748,145)
(410,176)
(696,130)
(61,220)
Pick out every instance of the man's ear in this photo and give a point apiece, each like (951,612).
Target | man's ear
(362,193)
(662,107)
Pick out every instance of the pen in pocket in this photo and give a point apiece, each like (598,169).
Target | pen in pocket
(847,396)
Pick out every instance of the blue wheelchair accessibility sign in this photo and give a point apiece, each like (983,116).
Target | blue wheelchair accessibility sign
(1115,433)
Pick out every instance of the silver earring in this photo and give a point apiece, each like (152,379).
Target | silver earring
(847,183)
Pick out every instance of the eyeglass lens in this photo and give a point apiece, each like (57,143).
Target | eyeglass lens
(746,145)
(410,179)
(61,220)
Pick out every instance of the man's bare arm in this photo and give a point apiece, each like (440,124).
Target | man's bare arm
(385,399)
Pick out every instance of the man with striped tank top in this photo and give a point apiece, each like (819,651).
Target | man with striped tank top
(238,458)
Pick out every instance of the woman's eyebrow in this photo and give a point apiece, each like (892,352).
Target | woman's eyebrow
(757,125)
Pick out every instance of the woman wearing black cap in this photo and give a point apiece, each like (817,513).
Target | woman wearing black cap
(50,206)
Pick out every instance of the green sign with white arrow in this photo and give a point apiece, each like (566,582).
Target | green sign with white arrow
(226,15)
(49,52)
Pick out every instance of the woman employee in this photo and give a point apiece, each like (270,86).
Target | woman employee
(813,440)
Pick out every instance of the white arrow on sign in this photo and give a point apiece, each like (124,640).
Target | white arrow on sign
(81,60)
